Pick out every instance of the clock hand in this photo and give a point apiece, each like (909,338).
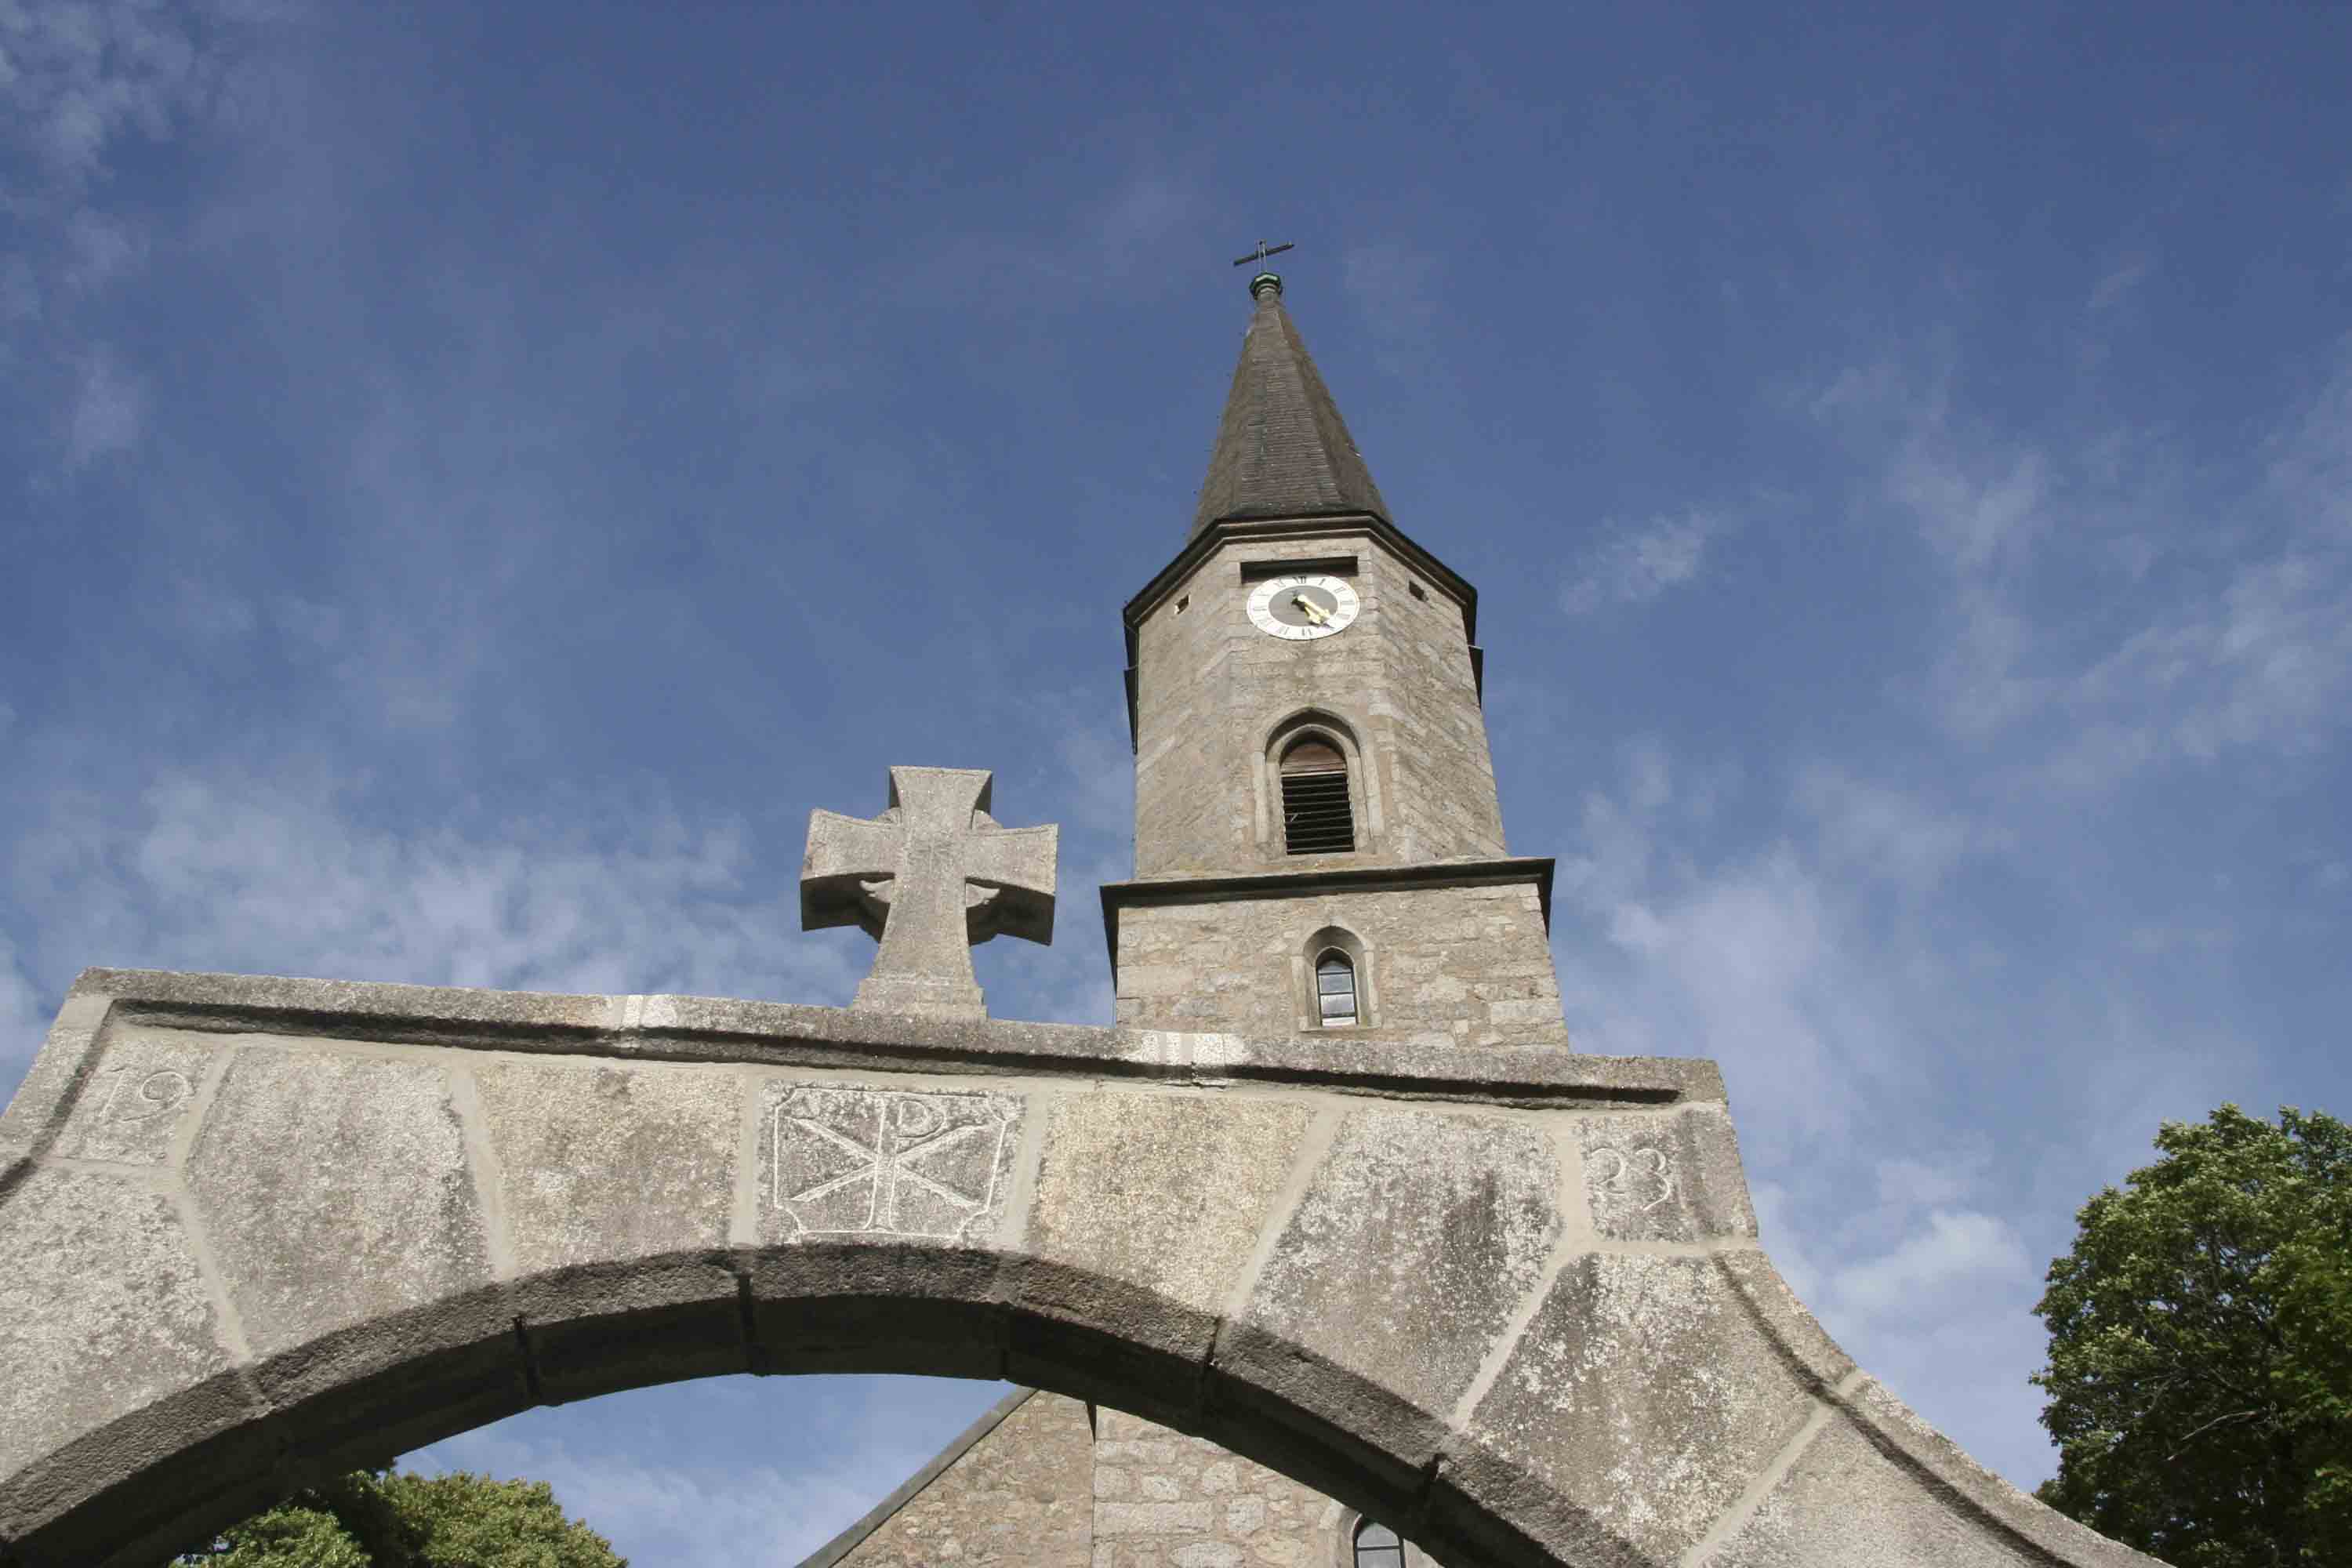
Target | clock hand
(1309,608)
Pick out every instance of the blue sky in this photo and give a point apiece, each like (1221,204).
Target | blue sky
(474,477)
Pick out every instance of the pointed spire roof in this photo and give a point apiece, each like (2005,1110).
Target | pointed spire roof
(1282,449)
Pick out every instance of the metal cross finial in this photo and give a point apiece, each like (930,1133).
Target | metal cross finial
(1265,250)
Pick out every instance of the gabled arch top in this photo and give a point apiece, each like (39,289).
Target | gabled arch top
(1512,1304)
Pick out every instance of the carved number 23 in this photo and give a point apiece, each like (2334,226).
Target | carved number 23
(1659,1166)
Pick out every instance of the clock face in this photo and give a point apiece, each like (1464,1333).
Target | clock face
(1302,608)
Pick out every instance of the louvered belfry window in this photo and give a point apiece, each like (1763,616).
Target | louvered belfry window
(1316,816)
(1335,990)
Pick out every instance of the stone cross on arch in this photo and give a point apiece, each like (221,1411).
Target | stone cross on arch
(928,877)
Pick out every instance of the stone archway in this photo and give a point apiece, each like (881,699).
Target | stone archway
(1511,1302)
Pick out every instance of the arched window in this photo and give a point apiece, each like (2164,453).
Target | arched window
(1376,1546)
(1316,816)
(1334,989)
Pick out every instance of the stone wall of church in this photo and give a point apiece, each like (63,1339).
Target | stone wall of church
(1055,1486)
(1212,686)
(1166,1500)
(1019,1497)
(1448,966)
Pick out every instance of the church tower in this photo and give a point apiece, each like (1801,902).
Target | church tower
(1318,846)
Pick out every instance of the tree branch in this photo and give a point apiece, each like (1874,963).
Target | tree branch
(2232,1416)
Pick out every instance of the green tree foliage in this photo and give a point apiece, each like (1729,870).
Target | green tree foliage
(372,1519)
(2200,1348)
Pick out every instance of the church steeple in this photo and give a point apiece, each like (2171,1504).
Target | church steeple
(1282,448)
(1318,842)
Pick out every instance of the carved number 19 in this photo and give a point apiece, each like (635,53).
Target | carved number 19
(158,1092)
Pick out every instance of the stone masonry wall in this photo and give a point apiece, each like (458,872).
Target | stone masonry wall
(1442,771)
(1019,1497)
(1055,1486)
(1166,1500)
(1448,966)
(1210,685)
(1193,801)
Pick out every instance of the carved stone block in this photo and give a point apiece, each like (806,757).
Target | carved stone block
(877,1164)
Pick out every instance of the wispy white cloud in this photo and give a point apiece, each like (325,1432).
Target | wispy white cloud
(1976,515)
(1876,831)
(1739,962)
(86,85)
(78,76)
(2120,281)
(1943,1317)
(1953,1247)
(101,248)
(277,875)
(1908,1182)
(1138,218)
(1980,505)
(108,409)
(2244,641)
(2265,664)
(2263,659)
(1636,563)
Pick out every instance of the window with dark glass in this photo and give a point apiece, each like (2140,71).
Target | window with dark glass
(1316,816)
(1334,989)
(1376,1546)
